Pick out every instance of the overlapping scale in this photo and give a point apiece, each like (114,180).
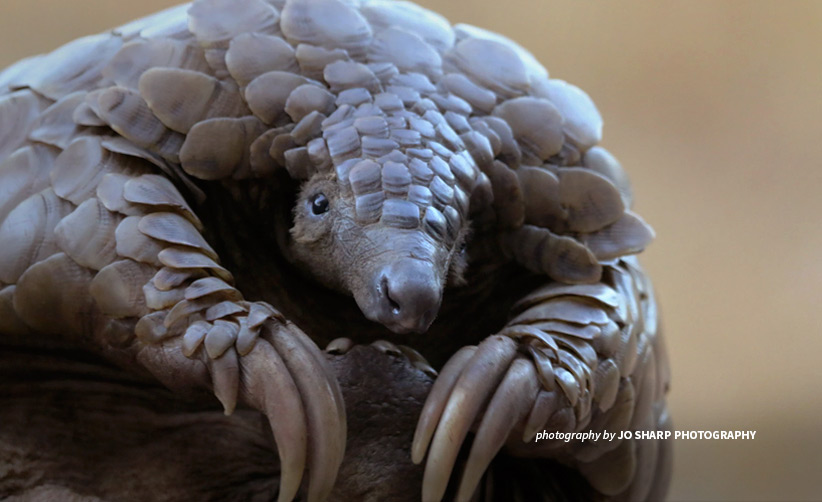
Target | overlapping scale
(327,23)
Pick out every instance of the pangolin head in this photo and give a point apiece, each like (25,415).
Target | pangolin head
(389,230)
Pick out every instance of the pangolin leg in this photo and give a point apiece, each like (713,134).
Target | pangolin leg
(262,380)
(594,361)
(121,262)
(282,377)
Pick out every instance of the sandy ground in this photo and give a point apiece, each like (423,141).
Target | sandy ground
(714,108)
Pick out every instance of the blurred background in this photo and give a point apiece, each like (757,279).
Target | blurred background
(715,109)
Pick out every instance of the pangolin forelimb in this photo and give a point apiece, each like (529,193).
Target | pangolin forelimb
(285,376)
(572,358)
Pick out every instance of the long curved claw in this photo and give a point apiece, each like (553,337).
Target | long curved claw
(511,403)
(322,400)
(435,404)
(270,388)
(482,374)
(339,402)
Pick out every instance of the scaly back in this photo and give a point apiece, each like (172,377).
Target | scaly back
(426,124)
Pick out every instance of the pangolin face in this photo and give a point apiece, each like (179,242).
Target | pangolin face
(393,253)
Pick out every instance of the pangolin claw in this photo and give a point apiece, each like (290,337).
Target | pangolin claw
(285,376)
(415,358)
(322,401)
(279,398)
(436,402)
(511,403)
(480,377)
(489,385)
(387,347)
(339,346)
(418,361)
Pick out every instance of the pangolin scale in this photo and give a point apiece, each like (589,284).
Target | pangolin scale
(191,201)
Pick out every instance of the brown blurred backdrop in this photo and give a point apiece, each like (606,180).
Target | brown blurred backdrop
(715,109)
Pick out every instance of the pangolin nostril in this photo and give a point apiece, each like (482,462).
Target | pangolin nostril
(395,307)
(386,293)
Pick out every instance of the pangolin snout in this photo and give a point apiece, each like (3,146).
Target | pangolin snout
(408,296)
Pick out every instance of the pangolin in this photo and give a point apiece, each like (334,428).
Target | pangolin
(210,194)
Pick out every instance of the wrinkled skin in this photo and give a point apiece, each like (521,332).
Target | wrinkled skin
(396,276)
(210,199)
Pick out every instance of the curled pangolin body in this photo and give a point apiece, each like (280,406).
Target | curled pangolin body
(110,147)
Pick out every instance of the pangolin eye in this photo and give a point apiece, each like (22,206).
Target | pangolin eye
(319,204)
